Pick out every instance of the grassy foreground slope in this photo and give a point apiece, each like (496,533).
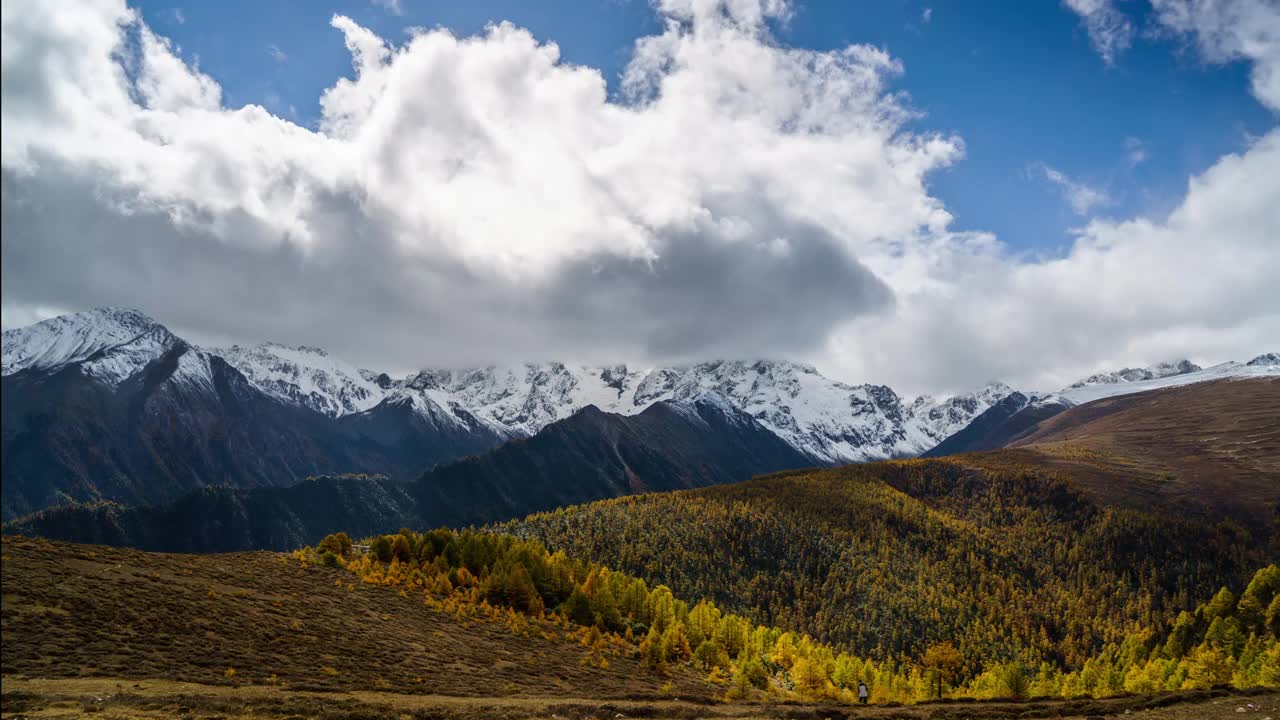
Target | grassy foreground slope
(81,610)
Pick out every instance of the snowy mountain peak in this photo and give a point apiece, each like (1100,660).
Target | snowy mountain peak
(114,365)
(305,349)
(941,418)
(77,337)
(306,376)
(1127,375)
(829,421)
(1174,374)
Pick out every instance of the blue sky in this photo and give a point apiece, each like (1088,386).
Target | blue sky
(1018,81)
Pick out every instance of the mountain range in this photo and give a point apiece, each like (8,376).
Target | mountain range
(108,406)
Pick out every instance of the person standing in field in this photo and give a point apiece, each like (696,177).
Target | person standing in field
(863,693)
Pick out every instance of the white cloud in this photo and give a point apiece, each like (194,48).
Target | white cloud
(391,6)
(1081,197)
(277,54)
(474,200)
(1229,30)
(179,17)
(467,199)
(1135,151)
(1109,30)
(1199,283)
(927,15)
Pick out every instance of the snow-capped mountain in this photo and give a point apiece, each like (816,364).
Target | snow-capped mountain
(1265,360)
(306,376)
(1018,413)
(945,417)
(829,421)
(1129,375)
(109,345)
(1135,380)
(76,337)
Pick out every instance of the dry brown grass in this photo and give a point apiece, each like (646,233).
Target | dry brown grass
(1209,446)
(82,611)
(116,699)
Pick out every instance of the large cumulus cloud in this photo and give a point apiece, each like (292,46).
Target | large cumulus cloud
(464,199)
(470,200)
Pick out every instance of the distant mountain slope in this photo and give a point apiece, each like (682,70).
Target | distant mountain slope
(1212,446)
(595,455)
(1009,421)
(831,422)
(1011,418)
(226,519)
(590,455)
(109,405)
(1166,375)
(70,338)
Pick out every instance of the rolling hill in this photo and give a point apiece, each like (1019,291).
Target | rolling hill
(1210,449)
(1011,420)
(885,559)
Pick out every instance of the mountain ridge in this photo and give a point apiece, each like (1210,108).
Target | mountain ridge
(108,404)
(591,455)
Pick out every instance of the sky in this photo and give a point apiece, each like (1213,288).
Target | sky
(927,195)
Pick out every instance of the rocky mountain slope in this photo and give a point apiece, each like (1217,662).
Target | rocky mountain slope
(590,455)
(109,405)
(829,421)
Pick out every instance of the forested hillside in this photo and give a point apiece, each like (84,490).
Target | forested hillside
(477,625)
(1232,639)
(888,559)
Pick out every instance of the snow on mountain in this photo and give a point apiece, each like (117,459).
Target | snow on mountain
(943,418)
(114,365)
(1086,390)
(1128,375)
(526,398)
(306,376)
(829,421)
(76,337)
